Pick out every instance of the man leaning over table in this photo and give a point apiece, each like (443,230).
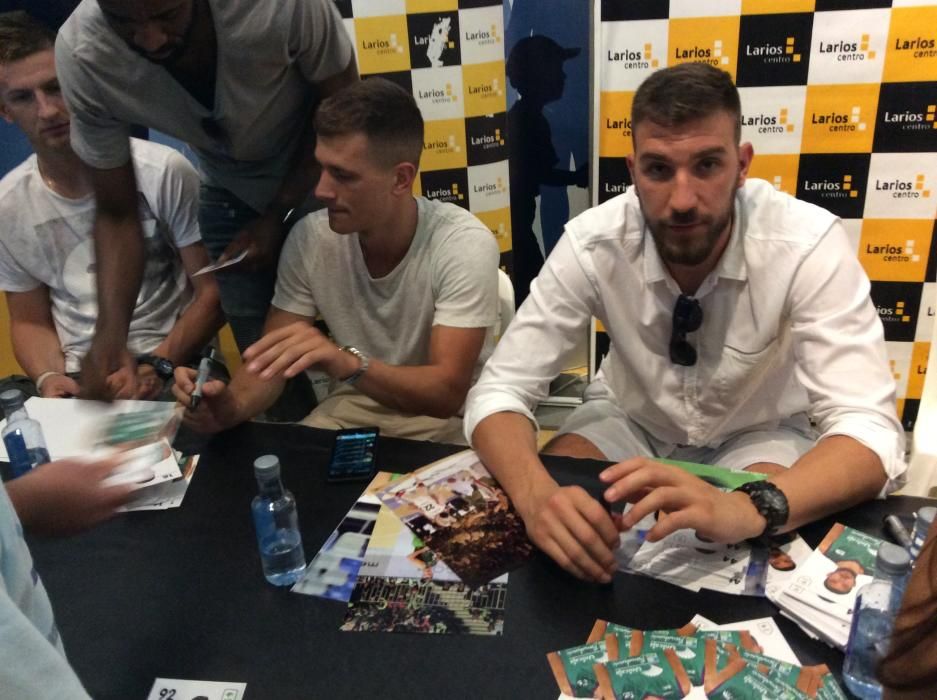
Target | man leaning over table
(237,81)
(742,334)
(407,286)
(47,256)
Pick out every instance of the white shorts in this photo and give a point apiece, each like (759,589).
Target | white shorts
(605,425)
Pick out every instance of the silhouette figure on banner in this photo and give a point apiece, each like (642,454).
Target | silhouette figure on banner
(535,70)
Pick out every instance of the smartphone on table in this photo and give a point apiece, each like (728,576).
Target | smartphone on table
(354,454)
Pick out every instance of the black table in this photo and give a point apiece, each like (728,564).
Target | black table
(180,594)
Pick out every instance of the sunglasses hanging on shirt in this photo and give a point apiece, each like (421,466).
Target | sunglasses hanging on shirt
(687,318)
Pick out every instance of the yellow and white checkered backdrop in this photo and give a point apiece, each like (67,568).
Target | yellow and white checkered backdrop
(450,55)
(839,99)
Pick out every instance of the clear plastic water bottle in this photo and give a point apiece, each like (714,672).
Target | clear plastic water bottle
(922,525)
(877,606)
(25,443)
(277,525)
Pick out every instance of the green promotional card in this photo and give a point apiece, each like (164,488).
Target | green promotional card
(749,682)
(649,675)
(829,689)
(851,545)
(691,651)
(576,668)
(717,476)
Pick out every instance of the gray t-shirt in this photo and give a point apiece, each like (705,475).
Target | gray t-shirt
(46,239)
(448,277)
(269,54)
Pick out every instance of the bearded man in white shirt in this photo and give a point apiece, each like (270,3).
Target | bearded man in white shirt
(742,334)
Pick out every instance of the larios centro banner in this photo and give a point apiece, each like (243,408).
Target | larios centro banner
(450,55)
(839,99)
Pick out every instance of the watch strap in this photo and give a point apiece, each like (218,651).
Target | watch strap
(771,504)
(362,368)
(163,367)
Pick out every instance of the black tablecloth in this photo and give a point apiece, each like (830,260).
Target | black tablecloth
(180,594)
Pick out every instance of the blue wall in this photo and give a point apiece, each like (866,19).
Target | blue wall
(14,148)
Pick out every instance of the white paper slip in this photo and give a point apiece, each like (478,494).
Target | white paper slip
(168,494)
(174,689)
(784,564)
(72,427)
(220,266)
(142,466)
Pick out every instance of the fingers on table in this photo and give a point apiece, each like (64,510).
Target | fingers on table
(580,535)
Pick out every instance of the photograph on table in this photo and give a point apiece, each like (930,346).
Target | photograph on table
(461,513)
(394,551)
(334,570)
(415,606)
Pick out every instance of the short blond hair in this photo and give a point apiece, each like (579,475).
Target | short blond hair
(22,35)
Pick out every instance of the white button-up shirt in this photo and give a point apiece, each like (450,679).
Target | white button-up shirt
(788,327)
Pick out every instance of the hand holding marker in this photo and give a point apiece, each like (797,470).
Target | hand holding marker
(204,367)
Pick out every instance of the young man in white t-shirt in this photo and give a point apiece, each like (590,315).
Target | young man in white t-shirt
(407,286)
(47,261)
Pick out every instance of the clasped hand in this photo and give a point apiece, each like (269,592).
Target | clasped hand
(581,535)
(217,409)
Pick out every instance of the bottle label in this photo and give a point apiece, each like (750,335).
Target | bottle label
(17,452)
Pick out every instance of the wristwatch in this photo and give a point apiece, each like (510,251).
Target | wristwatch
(770,502)
(164,368)
(365,362)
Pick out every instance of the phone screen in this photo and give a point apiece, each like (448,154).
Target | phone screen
(353,454)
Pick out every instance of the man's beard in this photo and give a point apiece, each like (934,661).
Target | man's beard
(177,49)
(688,250)
(178,45)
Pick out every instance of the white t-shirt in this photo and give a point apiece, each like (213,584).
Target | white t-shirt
(448,277)
(269,54)
(45,239)
(788,327)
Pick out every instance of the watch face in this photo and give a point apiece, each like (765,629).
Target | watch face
(770,502)
(163,368)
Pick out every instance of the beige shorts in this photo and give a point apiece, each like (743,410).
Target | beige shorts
(348,408)
(618,437)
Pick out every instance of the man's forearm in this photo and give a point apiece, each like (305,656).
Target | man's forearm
(252,394)
(21,494)
(118,249)
(37,349)
(420,389)
(837,473)
(507,445)
(193,330)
